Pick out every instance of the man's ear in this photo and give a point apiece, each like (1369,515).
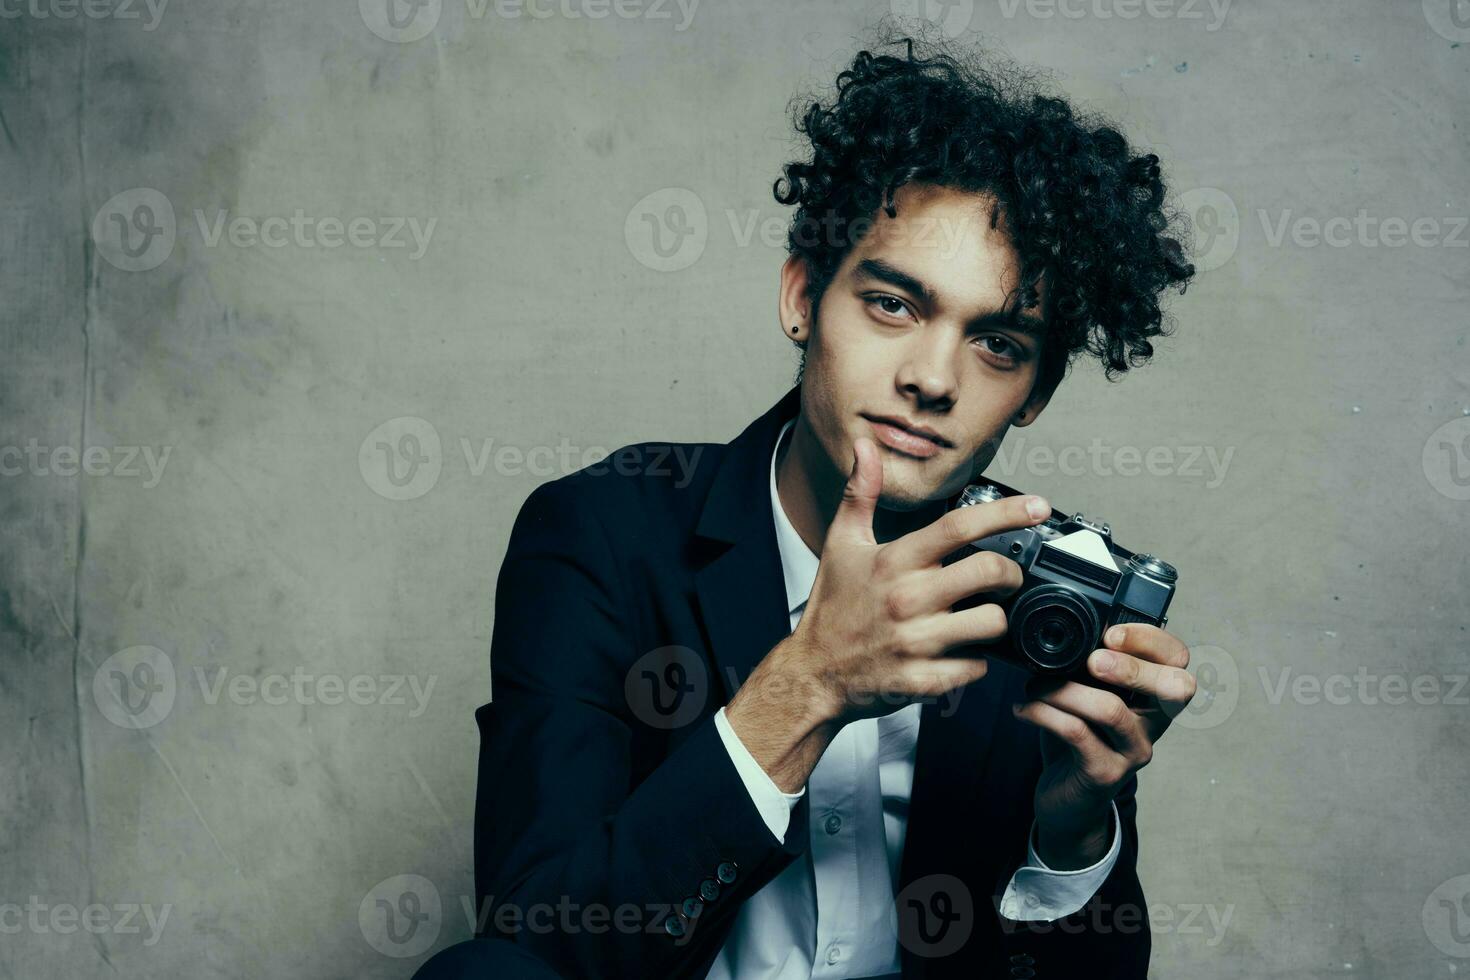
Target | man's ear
(793,307)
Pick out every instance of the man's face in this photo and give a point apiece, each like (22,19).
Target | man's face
(917,331)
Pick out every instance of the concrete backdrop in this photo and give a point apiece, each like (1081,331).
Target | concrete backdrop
(254,494)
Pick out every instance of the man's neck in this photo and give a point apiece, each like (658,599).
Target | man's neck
(810,488)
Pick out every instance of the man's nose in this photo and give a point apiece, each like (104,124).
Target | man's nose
(928,371)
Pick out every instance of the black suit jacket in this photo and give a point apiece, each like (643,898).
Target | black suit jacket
(613,836)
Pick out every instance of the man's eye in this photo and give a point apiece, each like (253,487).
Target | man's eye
(891,305)
(1001,347)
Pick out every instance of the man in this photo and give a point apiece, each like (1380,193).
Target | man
(743,724)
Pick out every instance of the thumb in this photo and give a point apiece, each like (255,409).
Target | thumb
(854,518)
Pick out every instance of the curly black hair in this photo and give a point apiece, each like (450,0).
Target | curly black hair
(1082,210)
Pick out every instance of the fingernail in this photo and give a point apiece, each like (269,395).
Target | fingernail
(1037,507)
(1103,661)
(1116,635)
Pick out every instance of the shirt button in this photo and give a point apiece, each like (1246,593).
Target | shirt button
(833,824)
(834,953)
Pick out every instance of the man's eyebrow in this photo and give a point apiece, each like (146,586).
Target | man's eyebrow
(883,272)
(1027,323)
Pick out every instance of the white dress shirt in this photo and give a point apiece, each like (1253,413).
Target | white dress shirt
(831,913)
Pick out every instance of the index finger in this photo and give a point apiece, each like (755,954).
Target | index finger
(1149,642)
(963,525)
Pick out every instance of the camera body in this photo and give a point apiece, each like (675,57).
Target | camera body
(1077,583)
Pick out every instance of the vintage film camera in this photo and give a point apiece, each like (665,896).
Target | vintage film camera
(1077,583)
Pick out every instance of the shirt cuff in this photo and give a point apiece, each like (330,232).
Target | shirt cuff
(774,805)
(1037,893)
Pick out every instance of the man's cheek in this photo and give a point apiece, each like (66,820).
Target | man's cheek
(984,455)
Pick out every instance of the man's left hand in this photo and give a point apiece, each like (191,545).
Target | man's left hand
(1092,742)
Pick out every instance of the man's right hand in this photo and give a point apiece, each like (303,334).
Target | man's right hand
(878,624)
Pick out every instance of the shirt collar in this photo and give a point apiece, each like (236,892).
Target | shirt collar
(798,563)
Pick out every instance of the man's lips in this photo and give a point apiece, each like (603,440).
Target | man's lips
(906,437)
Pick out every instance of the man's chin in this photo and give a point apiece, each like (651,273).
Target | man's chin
(904,500)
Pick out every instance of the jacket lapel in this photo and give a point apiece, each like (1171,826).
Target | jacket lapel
(945,808)
(741,591)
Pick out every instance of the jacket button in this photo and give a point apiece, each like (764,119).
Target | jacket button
(1022,972)
(709,889)
(1023,959)
(726,872)
(674,925)
(691,907)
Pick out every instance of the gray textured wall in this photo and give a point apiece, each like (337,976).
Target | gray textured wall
(240,659)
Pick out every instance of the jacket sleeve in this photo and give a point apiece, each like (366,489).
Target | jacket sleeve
(1108,938)
(597,847)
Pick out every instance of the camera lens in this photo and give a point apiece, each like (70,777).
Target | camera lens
(1054,633)
(1054,628)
